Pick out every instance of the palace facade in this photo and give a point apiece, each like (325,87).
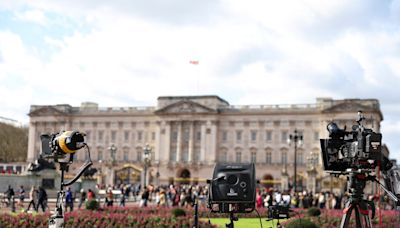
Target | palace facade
(189,134)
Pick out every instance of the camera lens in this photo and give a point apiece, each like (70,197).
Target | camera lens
(232,179)
(333,128)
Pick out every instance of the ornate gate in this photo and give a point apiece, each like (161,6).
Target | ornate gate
(128,174)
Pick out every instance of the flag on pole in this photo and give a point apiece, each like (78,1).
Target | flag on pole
(194,62)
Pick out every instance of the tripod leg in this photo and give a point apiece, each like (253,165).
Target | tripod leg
(365,212)
(346,216)
(367,221)
(358,219)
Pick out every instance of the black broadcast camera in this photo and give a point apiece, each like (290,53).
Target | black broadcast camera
(360,148)
(278,212)
(233,188)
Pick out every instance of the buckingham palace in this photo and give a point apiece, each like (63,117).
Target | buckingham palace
(186,135)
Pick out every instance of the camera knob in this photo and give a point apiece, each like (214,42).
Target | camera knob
(243,184)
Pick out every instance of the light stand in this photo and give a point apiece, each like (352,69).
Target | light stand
(57,220)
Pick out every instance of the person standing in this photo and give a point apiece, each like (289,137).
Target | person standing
(69,200)
(109,197)
(82,199)
(122,199)
(32,198)
(145,198)
(21,196)
(90,195)
(42,199)
(10,195)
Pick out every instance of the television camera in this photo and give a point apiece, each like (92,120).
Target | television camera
(356,154)
(232,189)
(61,148)
(359,148)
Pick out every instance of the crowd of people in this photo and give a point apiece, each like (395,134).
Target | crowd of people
(15,200)
(176,195)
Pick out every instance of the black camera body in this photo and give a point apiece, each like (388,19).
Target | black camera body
(233,188)
(360,148)
(58,145)
(278,212)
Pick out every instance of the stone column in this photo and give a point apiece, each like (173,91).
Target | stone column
(311,180)
(203,143)
(31,141)
(166,150)
(213,142)
(191,143)
(158,141)
(284,179)
(179,143)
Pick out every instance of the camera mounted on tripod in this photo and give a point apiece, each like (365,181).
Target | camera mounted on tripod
(57,147)
(356,154)
(233,188)
(360,148)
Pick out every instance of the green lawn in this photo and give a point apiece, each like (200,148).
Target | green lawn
(244,222)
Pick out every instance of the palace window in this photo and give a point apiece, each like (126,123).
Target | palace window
(238,156)
(238,136)
(268,157)
(224,136)
(268,136)
(253,135)
(253,157)
(284,136)
(284,157)
(113,135)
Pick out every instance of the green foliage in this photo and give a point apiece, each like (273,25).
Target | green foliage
(13,143)
(314,212)
(178,212)
(92,205)
(301,223)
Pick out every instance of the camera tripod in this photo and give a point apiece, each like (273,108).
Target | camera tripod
(356,181)
(57,220)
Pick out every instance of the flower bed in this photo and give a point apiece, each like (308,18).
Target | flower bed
(332,218)
(110,217)
(163,217)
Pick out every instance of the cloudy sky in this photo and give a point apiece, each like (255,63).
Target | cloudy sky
(127,53)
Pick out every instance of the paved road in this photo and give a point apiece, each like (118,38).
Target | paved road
(51,204)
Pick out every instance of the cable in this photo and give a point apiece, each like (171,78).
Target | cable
(208,216)
(259,216)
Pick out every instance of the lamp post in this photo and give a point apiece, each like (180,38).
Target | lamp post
(297,140)
(146,161)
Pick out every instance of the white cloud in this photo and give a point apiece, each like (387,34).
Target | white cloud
(35,16)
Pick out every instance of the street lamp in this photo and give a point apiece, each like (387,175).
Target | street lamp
(146,161)
(297,139)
